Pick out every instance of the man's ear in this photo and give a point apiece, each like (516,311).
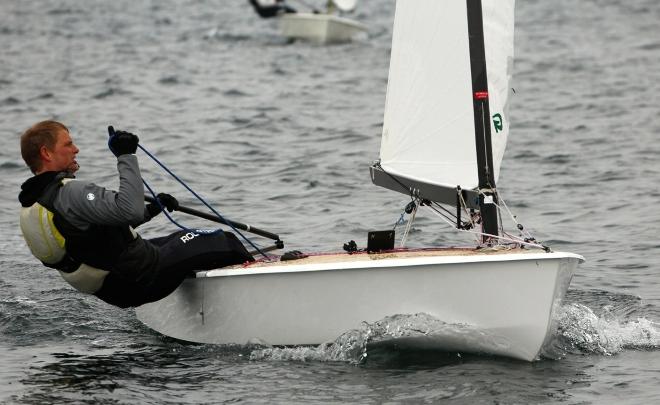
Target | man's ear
(45,154)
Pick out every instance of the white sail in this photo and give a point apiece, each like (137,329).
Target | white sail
(498,39)
(428,132)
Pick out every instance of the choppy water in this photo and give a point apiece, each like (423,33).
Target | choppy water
(281,135)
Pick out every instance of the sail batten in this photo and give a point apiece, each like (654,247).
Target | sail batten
(429,123)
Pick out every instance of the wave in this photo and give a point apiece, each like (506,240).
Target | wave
(615,325)
(392,339)
(582,331)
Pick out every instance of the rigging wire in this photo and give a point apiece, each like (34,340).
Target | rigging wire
(509,238)
(198,197)
(451,223)
(524,233)
(451,218)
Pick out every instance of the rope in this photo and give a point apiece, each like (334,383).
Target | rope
(198,197)
(473,224)
(400,221)
(450,223)
(523,231)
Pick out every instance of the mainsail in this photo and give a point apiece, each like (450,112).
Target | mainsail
(428,142)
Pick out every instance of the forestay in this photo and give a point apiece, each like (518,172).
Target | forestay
(429,131)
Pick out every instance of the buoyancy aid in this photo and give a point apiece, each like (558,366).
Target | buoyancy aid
(83,258)
(48,244)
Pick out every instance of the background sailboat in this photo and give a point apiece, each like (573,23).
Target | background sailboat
(438,146)
(325,26)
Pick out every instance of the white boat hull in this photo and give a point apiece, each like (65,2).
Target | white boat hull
(508,298)
(319,28)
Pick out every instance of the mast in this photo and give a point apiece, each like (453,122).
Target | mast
(488,195)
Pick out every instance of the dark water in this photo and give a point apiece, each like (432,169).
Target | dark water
(281,135)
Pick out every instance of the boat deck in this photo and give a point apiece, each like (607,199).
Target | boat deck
(338,257)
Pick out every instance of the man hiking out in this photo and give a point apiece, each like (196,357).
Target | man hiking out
(86,232)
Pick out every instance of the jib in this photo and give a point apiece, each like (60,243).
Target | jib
(189,236)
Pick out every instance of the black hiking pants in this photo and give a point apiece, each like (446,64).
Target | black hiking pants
(179,255)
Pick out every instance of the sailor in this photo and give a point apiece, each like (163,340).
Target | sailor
(271,8)
(85,231)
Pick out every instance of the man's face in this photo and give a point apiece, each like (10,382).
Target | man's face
(64,154)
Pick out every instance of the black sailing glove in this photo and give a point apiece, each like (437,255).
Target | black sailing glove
(167,201)
(122,142)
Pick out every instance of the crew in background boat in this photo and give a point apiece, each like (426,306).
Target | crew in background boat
(271,8)
(86,231)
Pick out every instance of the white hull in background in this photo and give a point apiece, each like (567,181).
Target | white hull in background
(506,299)
(319,28)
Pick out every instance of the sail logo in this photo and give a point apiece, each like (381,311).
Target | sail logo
(498,122)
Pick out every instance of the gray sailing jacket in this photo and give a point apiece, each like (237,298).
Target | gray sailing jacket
(96,226)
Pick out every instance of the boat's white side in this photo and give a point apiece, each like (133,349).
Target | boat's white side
(320,28)
(508,298)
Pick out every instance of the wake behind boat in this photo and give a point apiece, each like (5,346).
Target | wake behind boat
(445,129)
